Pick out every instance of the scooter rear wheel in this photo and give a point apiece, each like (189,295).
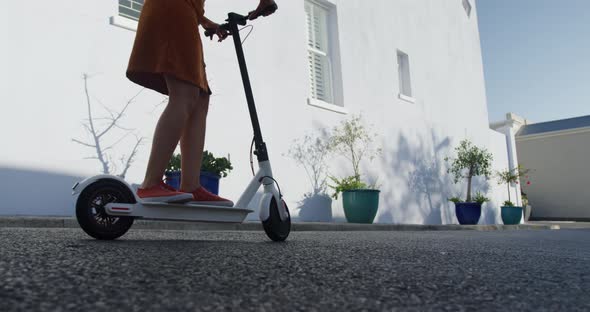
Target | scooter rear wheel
(275,228)
(91,212)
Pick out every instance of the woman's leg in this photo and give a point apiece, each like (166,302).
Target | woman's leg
(191,148)
(182,99)
(192,143)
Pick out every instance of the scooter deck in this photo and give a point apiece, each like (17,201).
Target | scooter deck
(179,212)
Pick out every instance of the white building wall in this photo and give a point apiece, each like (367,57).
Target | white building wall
(559,173)
(52,43)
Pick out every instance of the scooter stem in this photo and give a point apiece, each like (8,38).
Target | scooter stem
(234,20)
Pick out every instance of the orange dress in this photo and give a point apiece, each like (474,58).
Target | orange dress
(168,42)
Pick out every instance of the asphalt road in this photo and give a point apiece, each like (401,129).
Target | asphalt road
(62,269)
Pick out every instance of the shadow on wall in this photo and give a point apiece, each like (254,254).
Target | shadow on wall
(39,193)
(419,185)
(420,169)
(316,208)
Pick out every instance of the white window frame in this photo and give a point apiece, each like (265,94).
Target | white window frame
(123,19)
(404,77)
(328,100)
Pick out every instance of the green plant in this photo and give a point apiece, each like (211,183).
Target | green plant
(220,166)
(352,140)
(174,163)
(471,161)
(480,198)
(510,176)
(346,184)
(525,198)
(455,200)
(508,204)
(355,142)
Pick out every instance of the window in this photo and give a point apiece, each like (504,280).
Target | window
(467,7)
(403,68)
(130,8)
(318,52)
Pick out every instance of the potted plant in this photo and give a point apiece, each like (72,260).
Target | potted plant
(525,199)
(311,153)
(511,214)
(465,214)
(526,206)
(360,200)
(172,173)
(212,169)
(471,161)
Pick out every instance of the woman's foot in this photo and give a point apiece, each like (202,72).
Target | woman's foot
(203,197)
(163,193)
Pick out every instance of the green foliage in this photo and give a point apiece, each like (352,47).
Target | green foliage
(352,140)
(456,200)
(174,163)
(480,198)
(220,166)
(508,204)
(347,184)
(311,153)
(510,176)
(471,161)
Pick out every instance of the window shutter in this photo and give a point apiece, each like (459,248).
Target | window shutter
(320,73)
(130,8)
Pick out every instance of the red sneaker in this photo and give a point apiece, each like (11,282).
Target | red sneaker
(203,197)
(163,193)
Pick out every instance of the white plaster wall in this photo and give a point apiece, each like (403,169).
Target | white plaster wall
(559,174)
(53,43)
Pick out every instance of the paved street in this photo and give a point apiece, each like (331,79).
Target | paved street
(62,269)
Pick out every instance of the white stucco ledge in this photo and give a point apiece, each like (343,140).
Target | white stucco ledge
(407,98)
(70,222)
(123,22)
(327,106)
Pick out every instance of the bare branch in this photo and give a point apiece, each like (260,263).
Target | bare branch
(99,153)
(120,114)
(136,95)
(126,129)
(110,111)
(113,121)
(118,141)
(82,143)
(91,125)
(131,157)
(163,101)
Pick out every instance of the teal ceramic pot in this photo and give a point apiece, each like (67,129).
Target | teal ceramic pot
(511,215)
(360,206)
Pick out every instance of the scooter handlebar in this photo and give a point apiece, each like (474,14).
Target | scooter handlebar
(240,19)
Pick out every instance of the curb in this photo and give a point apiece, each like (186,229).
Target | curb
(69,222)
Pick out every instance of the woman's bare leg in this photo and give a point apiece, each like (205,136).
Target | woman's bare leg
(182,99)
(192,143)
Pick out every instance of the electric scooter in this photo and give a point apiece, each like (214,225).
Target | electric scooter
(106,205)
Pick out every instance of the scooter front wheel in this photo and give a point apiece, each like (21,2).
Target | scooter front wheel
(91,212)
(275,228)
